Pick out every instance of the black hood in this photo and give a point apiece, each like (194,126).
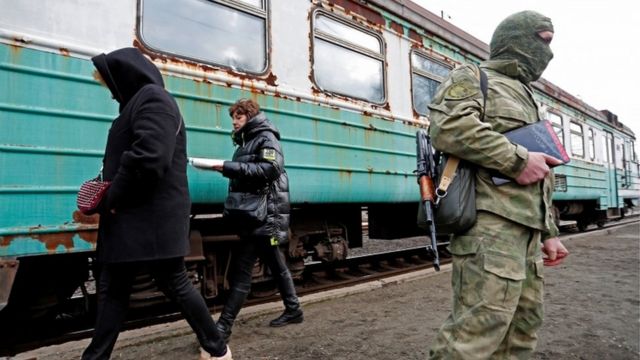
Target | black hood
(126,71)
(255,125)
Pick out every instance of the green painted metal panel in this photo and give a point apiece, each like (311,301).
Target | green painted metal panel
(585,181)
(54,120)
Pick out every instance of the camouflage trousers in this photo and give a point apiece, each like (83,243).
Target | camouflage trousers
(497,293)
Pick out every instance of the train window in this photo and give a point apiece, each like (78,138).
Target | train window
(577,139)
(618,155)
(556,121)
(426,75)
(592,145)
(347,60)
(607,143)
(634,157)
(229,33)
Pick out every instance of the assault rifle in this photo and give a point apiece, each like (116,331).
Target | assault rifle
(426,172)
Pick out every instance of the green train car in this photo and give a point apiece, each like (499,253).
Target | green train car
(347,83)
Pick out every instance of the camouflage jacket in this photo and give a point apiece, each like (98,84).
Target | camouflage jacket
(456,128)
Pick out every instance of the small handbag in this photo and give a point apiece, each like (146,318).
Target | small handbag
(91,193)
(246,208)
(456,197)
(455,207)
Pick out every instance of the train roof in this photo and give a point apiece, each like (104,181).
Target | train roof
(439,27)
(435,25)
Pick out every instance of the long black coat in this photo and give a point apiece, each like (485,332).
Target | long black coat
(146,161)
(258,161)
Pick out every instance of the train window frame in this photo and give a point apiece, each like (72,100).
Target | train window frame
(591,139)
(242,6)
(607,142)
(576,135)
(619,153)
(349,46)
(415,71)
(557,126)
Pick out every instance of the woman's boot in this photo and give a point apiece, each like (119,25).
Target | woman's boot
(229,313)
(292,313)
(289,316)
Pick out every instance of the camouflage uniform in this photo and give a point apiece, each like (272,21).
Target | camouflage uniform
(497,265)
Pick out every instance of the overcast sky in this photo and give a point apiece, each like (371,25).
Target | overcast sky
(596,46)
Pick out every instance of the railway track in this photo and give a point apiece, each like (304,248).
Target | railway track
(317,277)
(74,322)
(571,228)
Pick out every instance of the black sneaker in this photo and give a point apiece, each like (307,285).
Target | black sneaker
(288,317)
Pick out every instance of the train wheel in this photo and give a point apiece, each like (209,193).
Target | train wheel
(262,284)
(582,225)
(41,291)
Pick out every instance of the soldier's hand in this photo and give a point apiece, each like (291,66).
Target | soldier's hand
(554,251)
(537,168)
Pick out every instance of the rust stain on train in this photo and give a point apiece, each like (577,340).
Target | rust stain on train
(413,35)
(89,236)
(16,47)
(352,7)
(6,240)
(52,241)
(398,28)
(416,115)
(64,52)
(85,219)
(345,176)
(270,78)
(20,41)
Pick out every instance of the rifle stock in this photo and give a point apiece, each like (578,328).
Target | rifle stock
(426,173)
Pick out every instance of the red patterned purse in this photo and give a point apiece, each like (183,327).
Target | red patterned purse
(91,193)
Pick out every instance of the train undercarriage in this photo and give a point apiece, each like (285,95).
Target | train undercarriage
(588,212)
(42,284)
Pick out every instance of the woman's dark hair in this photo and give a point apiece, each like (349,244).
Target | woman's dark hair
(246,107)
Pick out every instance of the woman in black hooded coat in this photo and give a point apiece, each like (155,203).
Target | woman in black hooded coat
(258,165)
(144,217)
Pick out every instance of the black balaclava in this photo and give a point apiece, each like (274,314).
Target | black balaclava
(516,38)
(125,71)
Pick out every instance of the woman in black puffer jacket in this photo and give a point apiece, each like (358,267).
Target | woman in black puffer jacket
(258,164)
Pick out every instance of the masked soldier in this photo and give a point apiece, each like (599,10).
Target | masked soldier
(497,264)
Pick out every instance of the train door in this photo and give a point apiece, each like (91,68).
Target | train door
(627,157)
(610,168)
(634,166)
(621,180)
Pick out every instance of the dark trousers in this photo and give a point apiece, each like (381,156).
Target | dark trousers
(114,289)
(244,257)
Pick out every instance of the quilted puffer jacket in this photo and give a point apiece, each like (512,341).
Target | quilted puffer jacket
(258,163)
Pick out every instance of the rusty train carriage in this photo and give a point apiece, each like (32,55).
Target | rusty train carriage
(347,83)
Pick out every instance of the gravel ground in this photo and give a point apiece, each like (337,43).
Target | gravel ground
(592,312)
(374,246)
